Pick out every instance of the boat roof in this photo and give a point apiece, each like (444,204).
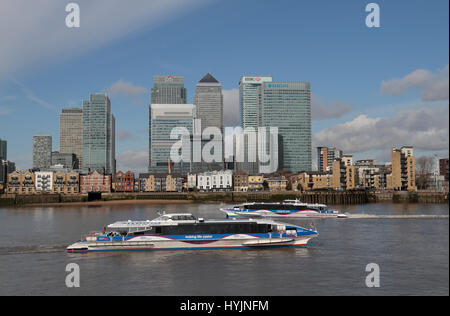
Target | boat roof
(161,221)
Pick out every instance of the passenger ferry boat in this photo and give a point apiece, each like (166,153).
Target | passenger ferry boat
(184,231)
(287,209)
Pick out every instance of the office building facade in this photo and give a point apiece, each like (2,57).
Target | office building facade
(42,151)
(249,104)
(163,119)
(287,105)
(71,133)
(166,90)
(98,135)
(208,100)
(3,149)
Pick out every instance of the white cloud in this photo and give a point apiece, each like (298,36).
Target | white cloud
(135,160)
(335,109)
(127,88)
(231,107)
(424,128)
(34,32)
(432,86)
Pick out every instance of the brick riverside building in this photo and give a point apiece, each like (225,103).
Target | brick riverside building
(95,182)
(124,182)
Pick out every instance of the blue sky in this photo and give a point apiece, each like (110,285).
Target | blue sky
(373,88)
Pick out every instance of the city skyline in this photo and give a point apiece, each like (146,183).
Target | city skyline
(377,90)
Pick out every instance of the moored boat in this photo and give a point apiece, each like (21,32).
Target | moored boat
(183,231)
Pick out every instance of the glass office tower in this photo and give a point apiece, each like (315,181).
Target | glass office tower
(98,135)
(287,105)
(208,100)
(249,99)
(163,119)
(166,90)
(3,150)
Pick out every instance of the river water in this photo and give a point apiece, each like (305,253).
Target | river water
(411,253)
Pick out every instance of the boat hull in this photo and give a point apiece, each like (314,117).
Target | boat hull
(151,243)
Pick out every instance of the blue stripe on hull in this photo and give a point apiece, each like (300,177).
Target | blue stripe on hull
(188,248)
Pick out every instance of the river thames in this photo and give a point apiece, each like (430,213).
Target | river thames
(412,254)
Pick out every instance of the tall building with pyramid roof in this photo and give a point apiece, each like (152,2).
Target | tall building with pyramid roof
(208,100)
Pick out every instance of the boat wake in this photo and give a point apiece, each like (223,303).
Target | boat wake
(19,250)
(370,216)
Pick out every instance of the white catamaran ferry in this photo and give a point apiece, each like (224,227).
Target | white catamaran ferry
(287,209)
(184,231)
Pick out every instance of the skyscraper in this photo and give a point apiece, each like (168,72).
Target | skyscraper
(42,151)
(208,100)
(166,90)
(71,133)
(3,149)
(287,105)
(98,135)
(249,99)
(163,119)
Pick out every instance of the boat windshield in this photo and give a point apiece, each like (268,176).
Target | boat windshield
(186,217)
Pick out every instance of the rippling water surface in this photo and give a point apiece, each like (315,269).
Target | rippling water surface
(412,253)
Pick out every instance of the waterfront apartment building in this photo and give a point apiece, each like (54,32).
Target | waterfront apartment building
(311,180)
(276,184)
(98,135)
(326,156)
(71,133)
(124,182)
(42,151)
(215,181)
(43,181)
(95,182)
(66,183)
(403,176)
(160,182)
(255,182)
(240,182)
(21,182)
(3,150)
(344,175)
(163,119)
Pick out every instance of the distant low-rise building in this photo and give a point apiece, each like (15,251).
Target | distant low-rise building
(66,183)
(124,182)
(277,184)
(215,181)
(160,182)
(44,181)
(255,182)
(311,180)
(21,182)
(240,182)
(95,182)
